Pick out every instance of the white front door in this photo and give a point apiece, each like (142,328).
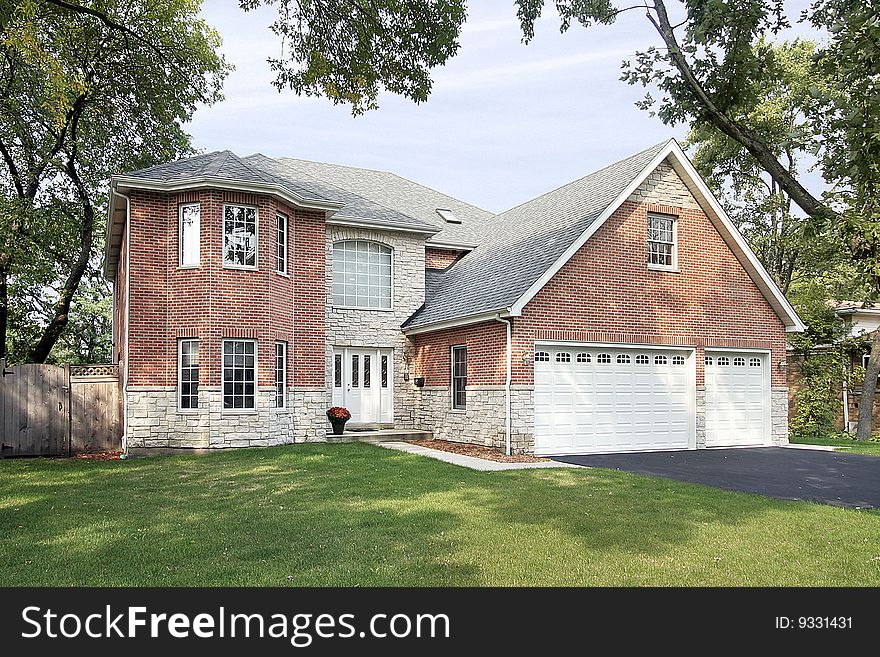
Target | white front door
(363,382)
(737,398)
(594,398)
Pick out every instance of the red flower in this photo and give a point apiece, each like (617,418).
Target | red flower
(338,413)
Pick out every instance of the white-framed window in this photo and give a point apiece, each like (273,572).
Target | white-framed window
(739,361)
(563,357)
(603,358)
(362,275)
(642,359)
(662,241)
(281,243)
(754,362)
(623,359)
(188,374)
(542,357)
(239,375)
(723,361)
(459,377)
(189,234)
(678,360)
(707,360)
(661,360)
(240,236)
(583,358)
(280,374)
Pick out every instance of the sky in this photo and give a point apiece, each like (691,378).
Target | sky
(504,123)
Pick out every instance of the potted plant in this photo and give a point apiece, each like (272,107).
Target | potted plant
(338,416)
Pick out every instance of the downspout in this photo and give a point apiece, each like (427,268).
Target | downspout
(509,325)
(127,325)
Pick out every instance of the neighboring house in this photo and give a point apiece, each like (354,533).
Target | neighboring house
(622,311)
(859,322)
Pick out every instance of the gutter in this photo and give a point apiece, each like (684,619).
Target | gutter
(127,321)
(507,419)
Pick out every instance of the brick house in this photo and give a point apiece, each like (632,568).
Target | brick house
(622,311)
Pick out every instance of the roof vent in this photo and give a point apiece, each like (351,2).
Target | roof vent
(448,216)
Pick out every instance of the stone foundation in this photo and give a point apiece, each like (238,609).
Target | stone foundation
(154,420)
(483,422)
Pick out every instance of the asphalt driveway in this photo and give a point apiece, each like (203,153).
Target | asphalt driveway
(788,474)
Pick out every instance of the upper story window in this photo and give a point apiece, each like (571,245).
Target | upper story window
(240,236)
(188,234)
(662,242)
(361,275)
(280,243)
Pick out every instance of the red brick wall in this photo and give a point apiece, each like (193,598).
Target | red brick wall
(486,354)
(440,258)
(213,303)
(606,293)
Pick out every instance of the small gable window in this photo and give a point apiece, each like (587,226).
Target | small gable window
(662,242)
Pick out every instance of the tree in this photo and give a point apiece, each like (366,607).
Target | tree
(89,89)
(773,106)
(349,50)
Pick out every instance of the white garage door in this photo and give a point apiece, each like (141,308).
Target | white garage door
(595,399)
(737,398)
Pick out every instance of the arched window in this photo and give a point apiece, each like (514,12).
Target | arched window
(678,360)
(641,359)
(583,358)
(754,362)
(361,274)
(542,357)
(661,360)
(563,357)
(623,359)
(603,358)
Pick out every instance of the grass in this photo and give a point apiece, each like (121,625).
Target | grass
(363,515)
(852,446)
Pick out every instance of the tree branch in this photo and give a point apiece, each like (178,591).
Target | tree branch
(743,135)
(13,170)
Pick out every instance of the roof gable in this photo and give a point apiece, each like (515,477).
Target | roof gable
(530,243)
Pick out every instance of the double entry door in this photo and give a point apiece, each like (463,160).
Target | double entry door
(363,382)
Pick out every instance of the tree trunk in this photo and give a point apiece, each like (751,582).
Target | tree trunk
(866,402)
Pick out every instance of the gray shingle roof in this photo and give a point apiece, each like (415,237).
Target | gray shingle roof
(395,193)
(222,165)
(358,206)
(524,242)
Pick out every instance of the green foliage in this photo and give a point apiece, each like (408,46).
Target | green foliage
(90,89)
(349,52)
(774,107)
(818,402)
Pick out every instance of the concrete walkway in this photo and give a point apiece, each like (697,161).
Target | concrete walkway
(472,462)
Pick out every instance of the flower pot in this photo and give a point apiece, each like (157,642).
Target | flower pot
(338,426)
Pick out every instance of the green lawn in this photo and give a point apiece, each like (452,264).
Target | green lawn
(852,446)
(364,515)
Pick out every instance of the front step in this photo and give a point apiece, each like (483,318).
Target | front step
(379,436)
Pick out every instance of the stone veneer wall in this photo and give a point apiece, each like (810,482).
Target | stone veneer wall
(381,328)
(483,422)
(779,415)
(155,421)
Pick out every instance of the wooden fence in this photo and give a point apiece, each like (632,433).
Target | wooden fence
(53,410)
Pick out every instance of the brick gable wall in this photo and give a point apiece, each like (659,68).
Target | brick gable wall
(606,293)
(440,258)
